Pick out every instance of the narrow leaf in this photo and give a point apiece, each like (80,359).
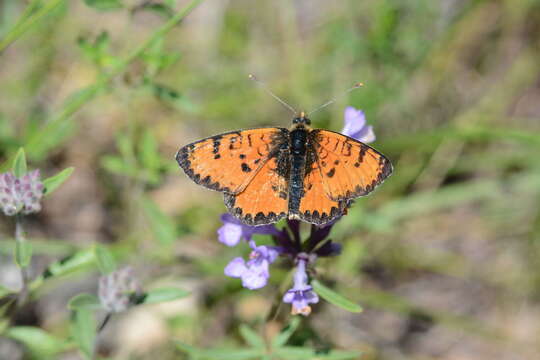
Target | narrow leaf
(77,261)
(282,338)
(251,337)
(39,342)
(83,329)
(23,253)
(19,163)
(104,5)
(163,228)
(163,294)
(84,301)
(105,260)
(222,354)
(334,298)
(55,181)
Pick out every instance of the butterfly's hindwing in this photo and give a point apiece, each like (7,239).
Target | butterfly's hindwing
(265,199)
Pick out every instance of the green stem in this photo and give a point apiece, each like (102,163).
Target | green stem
(25,24)
(93,90)
(20,238)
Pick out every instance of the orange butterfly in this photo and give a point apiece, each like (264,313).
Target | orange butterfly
(267,174)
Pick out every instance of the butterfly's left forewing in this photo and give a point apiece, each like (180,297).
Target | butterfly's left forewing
(348,168)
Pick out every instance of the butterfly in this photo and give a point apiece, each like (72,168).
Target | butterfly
(271,173)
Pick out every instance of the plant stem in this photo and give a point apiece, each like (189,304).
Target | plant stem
(25,24)
(20,238)
(34,143)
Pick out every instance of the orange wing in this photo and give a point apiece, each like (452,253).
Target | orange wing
(229,162)
(315,205)
(265,199)
(348,168)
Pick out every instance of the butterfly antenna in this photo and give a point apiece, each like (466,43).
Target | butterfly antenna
(356,86)
(265,88)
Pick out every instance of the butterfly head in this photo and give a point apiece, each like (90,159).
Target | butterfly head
(301,120)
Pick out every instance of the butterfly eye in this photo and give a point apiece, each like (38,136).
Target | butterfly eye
(307,121)
(296,120)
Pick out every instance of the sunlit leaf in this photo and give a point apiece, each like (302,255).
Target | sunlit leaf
(53,182)
(83,330)
(104,5)
(251,337)
(19,163)
(84,301)
(105,260)
(222,354)
(162,226)
(285,334)
(334,298)
(37,341)
(163,294)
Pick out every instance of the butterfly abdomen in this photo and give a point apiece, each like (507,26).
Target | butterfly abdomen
(298,141)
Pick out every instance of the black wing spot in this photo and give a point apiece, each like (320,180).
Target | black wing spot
(356,164)
(245,167)
(217,156)
(242,156)
(331,172)
(336,162)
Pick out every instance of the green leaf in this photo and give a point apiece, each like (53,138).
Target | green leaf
(104,5)
(84,301)
(285,334)
(53,182)
(118,166)
(39,342)
(163,227)
(83,330)
(19,163)
(105,260)
(334,298)
(23,253)
(159,9)
(77,261)
(300,353)
(251,337)
(163,294)
(149,151)
(222,354)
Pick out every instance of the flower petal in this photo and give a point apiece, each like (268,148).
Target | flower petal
(236,268)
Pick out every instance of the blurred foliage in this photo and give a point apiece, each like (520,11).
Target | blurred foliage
(443,258)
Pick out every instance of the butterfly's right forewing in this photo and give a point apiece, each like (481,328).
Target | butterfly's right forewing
(229,162)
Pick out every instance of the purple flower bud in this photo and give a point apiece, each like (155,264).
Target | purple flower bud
(232,230)
(255,272)
(21,194)
(301,294)
(115,290)
(355,126)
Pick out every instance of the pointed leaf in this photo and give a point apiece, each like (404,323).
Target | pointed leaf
(251,337)
(163,294)
(77,261)
(105,260)
(19,164)
(53,182)
(221,354)
(39,342)
(334,298)
(83,330)
(162,226)
(282,338)
(84,301)
(104,5)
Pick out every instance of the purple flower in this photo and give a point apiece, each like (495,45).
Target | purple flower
(301,294)
(233,230)
(355,126)
(255,272)
(117,288)
(20,195)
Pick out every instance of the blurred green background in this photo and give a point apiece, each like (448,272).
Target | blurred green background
(444,257)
